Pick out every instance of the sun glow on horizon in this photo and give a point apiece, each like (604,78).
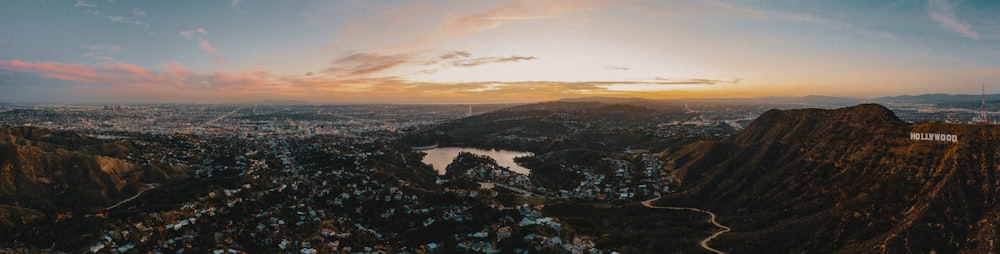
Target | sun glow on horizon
(513,50)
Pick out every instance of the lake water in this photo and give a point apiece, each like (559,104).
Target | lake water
(442,156)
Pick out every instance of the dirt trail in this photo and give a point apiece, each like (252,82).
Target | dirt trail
(711,219)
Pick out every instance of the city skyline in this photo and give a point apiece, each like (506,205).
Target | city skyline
(100,51)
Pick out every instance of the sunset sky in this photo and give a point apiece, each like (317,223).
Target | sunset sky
(236,51)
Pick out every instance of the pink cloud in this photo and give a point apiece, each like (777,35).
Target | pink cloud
(136,70)
(49,67)
(68,77)
(177,69)
(206,46)
(942,12)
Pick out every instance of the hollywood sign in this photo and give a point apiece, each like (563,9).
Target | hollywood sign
(934,137)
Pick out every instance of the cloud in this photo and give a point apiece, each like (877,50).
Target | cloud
(190,33)
(943,13)
(176,69)
(173,82)
(102,52)
(455,54)
(136,13)
(618,68)
(366,63)
(206,46)
(131,69)
(770,16)
(235,4)
(83,3)
(77,71)
(488,60)
(487,87)
(756,14)
(517,11)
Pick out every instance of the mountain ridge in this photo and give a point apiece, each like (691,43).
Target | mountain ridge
(847,180)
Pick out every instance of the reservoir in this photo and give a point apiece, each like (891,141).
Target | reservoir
(442,156)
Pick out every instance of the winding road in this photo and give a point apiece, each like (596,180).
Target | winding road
(711,219)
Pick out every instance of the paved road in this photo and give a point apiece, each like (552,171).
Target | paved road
(711,219)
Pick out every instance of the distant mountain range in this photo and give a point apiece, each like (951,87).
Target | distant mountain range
(846,180)
(937,98)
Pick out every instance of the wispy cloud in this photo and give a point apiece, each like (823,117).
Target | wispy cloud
(83,3)
(772,16)
(127,20)
(79,72)
(366,63)
(487,87)
(175,82)
(943,13)
(465,59)
(235,4)
(473,62)
(206,46)
(455,54)
(190,33)
(757,14)
(618,68)
(133,19)
(176,69)
(517,11)
(102,52)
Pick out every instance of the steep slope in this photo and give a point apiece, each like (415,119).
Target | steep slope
(48,172)
(847,180)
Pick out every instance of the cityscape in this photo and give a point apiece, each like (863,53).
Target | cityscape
(500,126)
(349,178)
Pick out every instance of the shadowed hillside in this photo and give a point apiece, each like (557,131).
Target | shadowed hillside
(552,126)
(847,180)
(45,172)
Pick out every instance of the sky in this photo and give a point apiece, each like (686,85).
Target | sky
(245,51)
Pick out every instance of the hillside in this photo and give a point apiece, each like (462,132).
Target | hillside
(552,126)
(43,173)
(848,180)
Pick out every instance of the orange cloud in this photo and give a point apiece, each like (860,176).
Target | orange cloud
(487,60)
(360,64)
(178,84)
(518,11)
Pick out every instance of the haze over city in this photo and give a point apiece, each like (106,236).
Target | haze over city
(99,51)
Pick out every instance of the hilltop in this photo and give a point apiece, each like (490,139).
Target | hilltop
(552,126)
(846,180)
